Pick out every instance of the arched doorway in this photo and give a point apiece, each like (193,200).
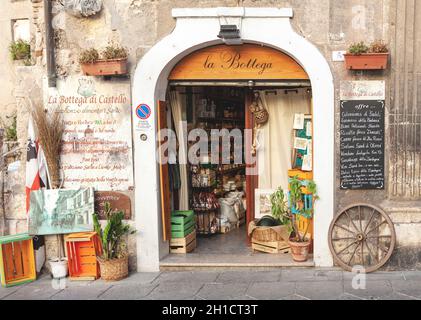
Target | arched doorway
(196,29)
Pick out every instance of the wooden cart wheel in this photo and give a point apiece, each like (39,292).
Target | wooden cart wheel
(362,235)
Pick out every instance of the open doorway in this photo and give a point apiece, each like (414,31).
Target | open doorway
(224,196)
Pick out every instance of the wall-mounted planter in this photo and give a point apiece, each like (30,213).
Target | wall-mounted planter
(105,67)
(366,61)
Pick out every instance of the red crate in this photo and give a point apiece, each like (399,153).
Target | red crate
(82,251)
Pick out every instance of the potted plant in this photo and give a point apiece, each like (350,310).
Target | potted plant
(114,262)
(112,61)
(301,203)
(20,50)
(363,57)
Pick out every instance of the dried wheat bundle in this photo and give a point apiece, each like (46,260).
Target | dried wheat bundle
(50,133)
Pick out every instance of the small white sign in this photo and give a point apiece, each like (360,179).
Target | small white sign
(299,121)
(338,56)
(300,143)
(363,90)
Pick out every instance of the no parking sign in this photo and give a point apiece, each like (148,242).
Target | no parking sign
(143,111)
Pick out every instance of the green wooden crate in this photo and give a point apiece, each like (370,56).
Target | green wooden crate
(182,223)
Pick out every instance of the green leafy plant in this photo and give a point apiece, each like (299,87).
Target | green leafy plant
(280,207)
(358,48)
(20,50)
(297,202)
(378,46)
(11,133)
(112,235)
(89,56)
(113,51)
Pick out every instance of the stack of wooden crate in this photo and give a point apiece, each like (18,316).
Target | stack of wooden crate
(17,260)
(183,232)
(82,251)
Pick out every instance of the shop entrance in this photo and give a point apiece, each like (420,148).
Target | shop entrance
(196,30)
(240,164)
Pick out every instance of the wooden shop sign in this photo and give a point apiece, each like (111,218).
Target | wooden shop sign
(118,201)
(245,62)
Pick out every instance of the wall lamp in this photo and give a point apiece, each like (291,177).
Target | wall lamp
(230,34)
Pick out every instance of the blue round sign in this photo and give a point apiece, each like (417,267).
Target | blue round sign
(143,111)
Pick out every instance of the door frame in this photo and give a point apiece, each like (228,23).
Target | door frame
(197,28)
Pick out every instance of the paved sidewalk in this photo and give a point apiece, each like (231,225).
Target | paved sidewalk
(285,284)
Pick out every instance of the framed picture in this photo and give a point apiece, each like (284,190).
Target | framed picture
(60,211)
(262,205)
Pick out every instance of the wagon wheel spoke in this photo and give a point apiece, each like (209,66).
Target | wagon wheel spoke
(347,247)
(375,228)
(381,247)
(371,252)
(369,221)
(359,217)
(340,239)
(343,228)
(353,254)
(352,221)
(379,237)
(362,253)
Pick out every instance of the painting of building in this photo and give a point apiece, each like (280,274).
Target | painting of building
(61,211)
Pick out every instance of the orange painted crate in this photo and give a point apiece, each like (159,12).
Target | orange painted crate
(82,250)
(17,260)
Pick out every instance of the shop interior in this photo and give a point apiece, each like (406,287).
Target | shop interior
(218,193)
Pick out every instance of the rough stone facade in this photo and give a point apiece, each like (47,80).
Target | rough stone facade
(329,24)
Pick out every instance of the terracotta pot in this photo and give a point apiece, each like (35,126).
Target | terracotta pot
(105,67)
(366,61)
(299,250)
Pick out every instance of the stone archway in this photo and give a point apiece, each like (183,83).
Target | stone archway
(196,29)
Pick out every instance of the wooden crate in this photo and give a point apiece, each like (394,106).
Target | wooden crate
(82,250)
(17,260)
(274,247)
(182,223)
(183,245)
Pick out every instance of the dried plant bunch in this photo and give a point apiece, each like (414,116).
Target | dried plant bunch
(378,46)
(113,51)
(89,56)
(50,133)
(358,48)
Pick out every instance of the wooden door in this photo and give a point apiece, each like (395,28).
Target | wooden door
(251,179)
(163,173)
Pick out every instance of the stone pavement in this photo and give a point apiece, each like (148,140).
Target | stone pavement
(284,284)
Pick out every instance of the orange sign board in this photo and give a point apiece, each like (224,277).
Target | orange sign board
(245,62)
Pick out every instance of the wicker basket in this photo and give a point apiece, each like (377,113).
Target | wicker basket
(266,234)
(114,270)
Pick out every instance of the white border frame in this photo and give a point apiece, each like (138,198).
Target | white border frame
(197,28)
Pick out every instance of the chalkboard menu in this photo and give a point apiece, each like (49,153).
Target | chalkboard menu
(362,144)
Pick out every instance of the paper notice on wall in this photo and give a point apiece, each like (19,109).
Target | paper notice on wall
(300,143)
(309,129)
(299,121)
(97,142)
(307,163)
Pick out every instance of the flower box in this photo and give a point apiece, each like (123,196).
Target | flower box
(366,61)
(105,67)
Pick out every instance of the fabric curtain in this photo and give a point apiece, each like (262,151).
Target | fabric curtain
(178,105)
(275,139)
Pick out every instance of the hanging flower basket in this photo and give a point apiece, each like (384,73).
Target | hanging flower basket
(105,67)
(367,61)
